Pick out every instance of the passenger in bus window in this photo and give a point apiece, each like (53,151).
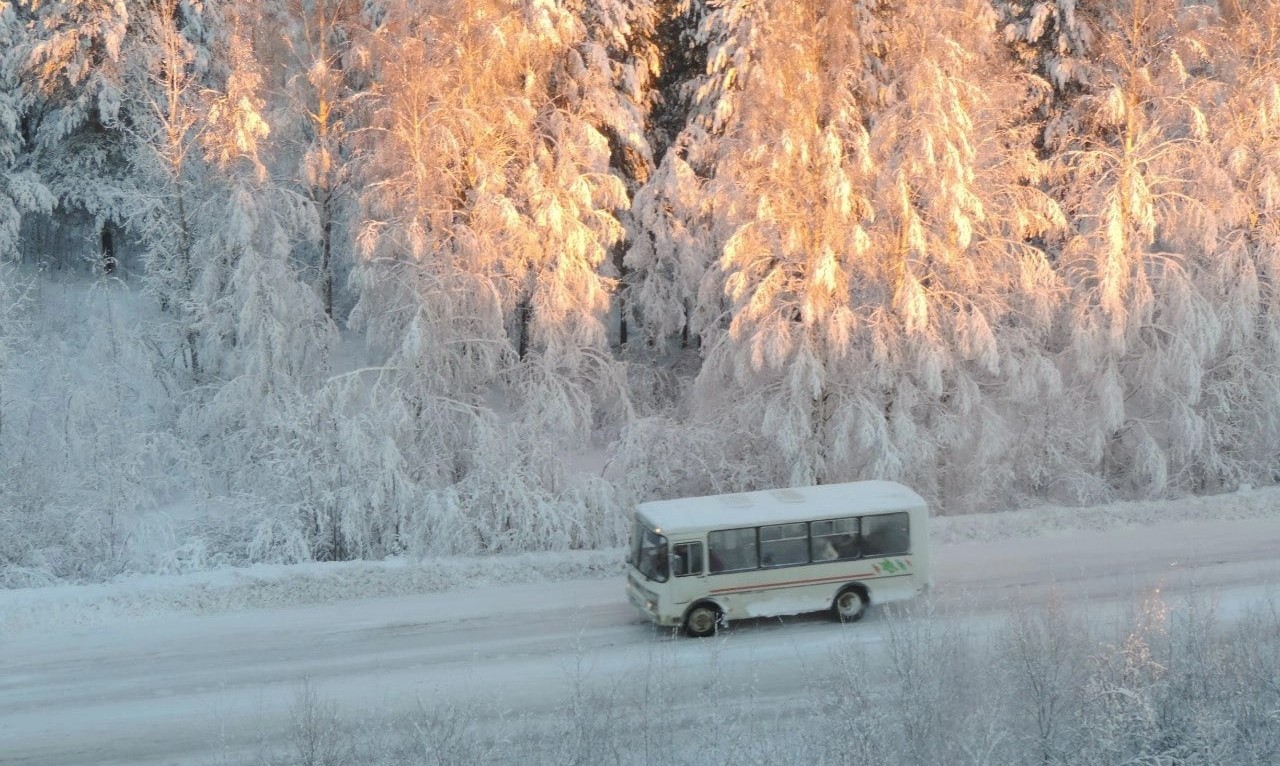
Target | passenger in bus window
(825,551)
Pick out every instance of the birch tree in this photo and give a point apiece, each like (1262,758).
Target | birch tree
(787,189)
(262,334)
(324,40)
(967,295)
(168,63)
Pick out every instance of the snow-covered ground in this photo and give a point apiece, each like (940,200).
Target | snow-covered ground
(220,667)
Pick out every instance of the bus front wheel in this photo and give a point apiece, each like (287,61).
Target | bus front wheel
(702,621)
(851,604)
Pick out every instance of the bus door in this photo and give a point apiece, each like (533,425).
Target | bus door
(688,570)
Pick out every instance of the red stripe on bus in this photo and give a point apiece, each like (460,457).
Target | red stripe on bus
(792,583)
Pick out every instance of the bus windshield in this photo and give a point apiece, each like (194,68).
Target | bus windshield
(649,553)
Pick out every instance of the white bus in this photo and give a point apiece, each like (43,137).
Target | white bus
(702,561)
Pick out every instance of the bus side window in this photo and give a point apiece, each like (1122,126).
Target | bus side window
(784,544)
(688,559)
(833,539)
(733,550)
(886,535)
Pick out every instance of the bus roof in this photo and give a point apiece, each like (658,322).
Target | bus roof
(777,506)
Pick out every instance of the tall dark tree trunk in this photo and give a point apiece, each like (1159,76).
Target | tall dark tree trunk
(523,313)
(326,252)
(186,281)
(108,250)
(619,252)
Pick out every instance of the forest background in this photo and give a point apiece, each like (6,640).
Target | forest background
(287,280)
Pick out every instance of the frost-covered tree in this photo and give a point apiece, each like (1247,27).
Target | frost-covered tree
(995,421)
(262,334)
(167,60)
(667,254)
(87,442)
(1052,37)
(788,199)
(1132,151)
(622,59)
(528,208)
(324,55)
(491,211)
(13,450)
(965,297)
(856,177)
(1240,278)
(20,189)
(72,73)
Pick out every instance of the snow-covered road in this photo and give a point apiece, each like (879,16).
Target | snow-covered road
(201,688)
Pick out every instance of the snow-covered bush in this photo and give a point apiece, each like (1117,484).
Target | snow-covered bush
(87,445)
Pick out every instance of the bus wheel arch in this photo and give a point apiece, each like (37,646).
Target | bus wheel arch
(850,604)
(703,619)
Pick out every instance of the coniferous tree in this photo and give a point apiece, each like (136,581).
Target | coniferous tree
(621,52)
(1052,37)
(72,75)
(21,190)
(666,256)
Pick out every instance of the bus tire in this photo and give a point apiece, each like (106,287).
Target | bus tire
(851,603)
(702,620)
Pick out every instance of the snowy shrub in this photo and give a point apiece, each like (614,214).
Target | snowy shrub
(277,541)
(933,685)
(87,447)
(236,532)
(1046,650)
(1123,689)
(315,730)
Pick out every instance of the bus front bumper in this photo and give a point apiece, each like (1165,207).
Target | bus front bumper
(646,601)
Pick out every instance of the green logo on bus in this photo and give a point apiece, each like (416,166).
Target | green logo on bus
(893,566)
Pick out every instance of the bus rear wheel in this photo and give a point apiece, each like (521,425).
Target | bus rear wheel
(851,604)
(702,621)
